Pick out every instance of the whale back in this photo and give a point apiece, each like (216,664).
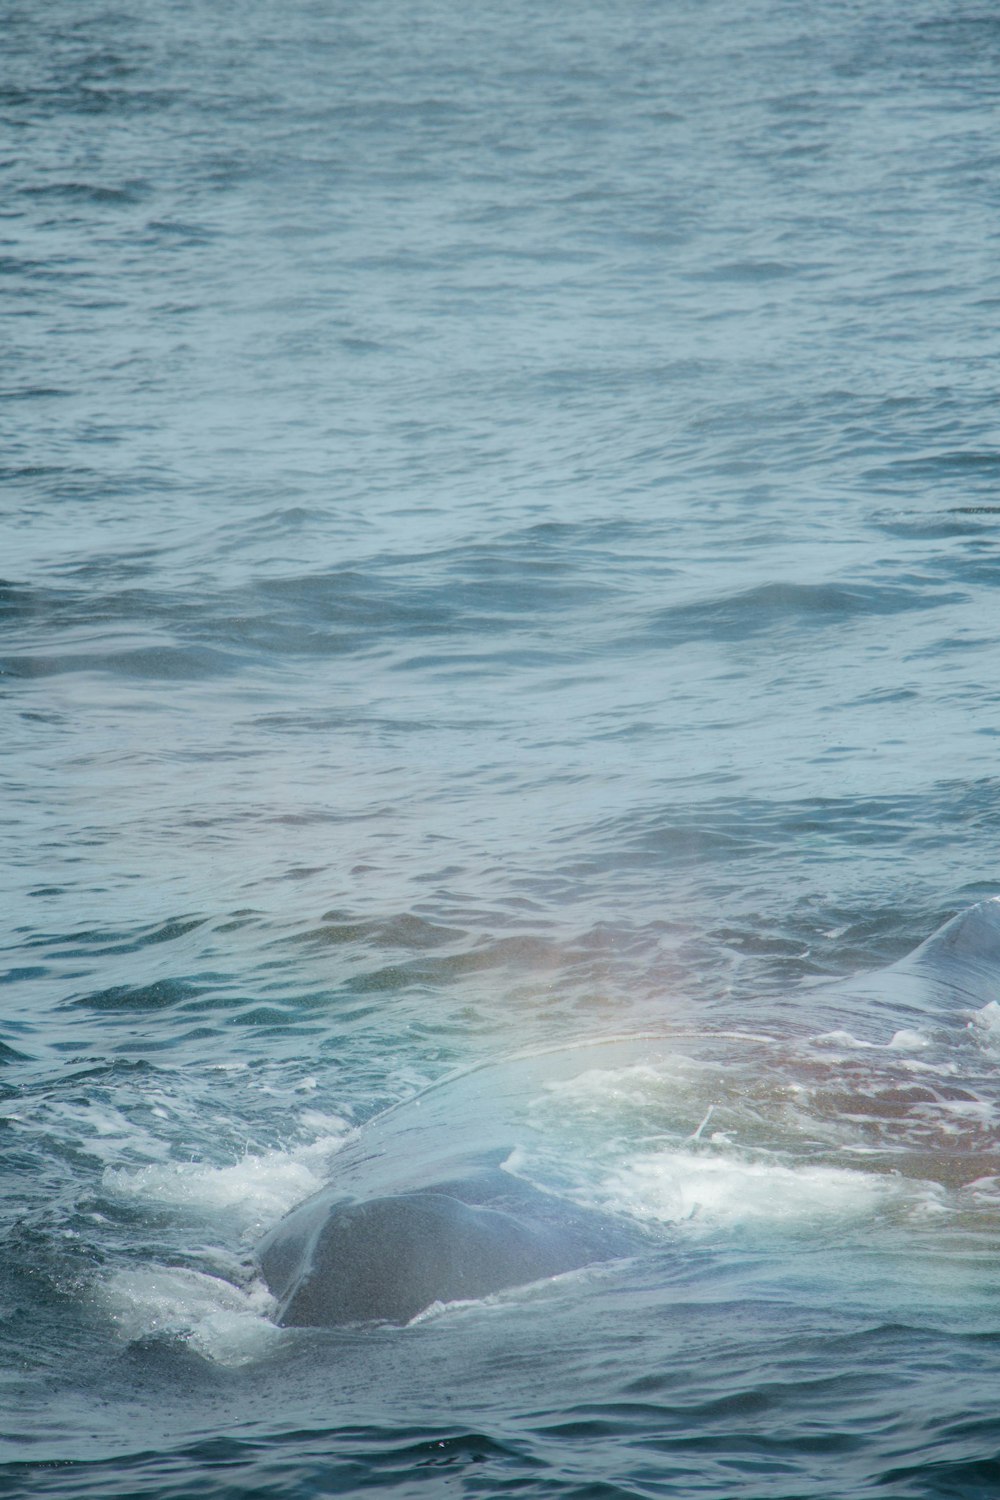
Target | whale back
(960,962)
(955,971)
(332,1263)
(522,1168)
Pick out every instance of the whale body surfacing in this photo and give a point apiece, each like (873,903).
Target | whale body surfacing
(486,1181)
(390,1258)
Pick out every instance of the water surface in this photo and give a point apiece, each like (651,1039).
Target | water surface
(499,537)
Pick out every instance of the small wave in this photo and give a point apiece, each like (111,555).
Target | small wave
(786,606)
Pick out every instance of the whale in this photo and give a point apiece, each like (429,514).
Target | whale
(389,1258)
(429,1204)
(496,1177)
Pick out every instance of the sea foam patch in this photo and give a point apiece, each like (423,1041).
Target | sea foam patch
(703,1191)
(715,1142)
(219,1315)
(985,1025)
(254,1190)
(228,1324)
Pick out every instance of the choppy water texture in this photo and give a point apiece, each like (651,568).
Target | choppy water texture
(499,543)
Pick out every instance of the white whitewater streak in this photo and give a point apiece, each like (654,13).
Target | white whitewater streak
(710,1192)
(255,1190)
(620,1092)
(985,1025)
(905,1040)
(225,1323)
(908,1040)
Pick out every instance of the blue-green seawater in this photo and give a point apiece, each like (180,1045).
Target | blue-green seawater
(499,545)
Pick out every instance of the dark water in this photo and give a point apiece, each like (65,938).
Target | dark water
(499,544)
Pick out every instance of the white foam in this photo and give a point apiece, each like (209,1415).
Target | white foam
(920,1065)
(987,1021)
(904,1040)
(439,1309)
(497,1301)
(95,1128)
(225,1323)
(908,1041)
(613,1087)
(255,1190)
(627,1101)
(983,1192)
(963,1113)
(706,1192)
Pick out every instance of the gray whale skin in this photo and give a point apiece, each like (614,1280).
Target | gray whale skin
(389,1258)
(422,1210)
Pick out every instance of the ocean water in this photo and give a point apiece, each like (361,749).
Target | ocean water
(498,541)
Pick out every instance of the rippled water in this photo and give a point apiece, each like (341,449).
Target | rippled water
(498,548)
